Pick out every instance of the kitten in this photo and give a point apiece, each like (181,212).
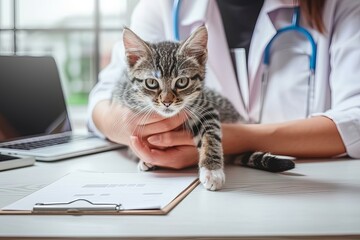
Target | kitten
(168,78)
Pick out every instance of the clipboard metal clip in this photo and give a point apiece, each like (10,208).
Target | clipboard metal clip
(76,208)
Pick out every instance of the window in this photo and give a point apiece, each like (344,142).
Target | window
(78,34)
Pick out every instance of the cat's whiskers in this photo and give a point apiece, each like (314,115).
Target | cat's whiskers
(200,109)
(193,117)
(146,113)
(144,120)
(124,125)
(184,117)
(187,123)
(127,122)
(197,137)
(207,100)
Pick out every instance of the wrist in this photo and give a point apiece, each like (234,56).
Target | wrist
(237,138)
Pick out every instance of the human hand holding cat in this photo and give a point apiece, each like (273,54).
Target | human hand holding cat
(121,125)
(118,123)
(165,144)
(175,157)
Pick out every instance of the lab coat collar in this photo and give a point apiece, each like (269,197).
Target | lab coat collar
(272,5)
(271,8)
(265,29)
(193,11)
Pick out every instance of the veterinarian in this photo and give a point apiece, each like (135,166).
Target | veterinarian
(297,110)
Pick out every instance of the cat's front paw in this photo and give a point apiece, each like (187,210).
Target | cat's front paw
(143,166)
(212,179)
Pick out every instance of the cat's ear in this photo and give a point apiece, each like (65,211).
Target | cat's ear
(196,45)
(135,47)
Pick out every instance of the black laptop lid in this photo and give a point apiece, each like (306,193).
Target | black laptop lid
(31,98)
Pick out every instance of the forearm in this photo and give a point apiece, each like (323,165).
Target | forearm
(313,137)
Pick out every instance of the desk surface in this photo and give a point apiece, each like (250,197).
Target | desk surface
(317,199)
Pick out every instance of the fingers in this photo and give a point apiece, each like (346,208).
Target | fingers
(121,122)
(138,118)
(140,149)
(124,123)
(175,157)
(164,125)
(172,138)
(149,119)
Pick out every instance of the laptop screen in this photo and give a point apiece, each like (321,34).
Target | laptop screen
(31,98)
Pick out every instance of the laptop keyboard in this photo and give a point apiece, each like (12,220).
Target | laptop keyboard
(44,143)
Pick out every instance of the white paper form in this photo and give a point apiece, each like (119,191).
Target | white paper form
(132,191)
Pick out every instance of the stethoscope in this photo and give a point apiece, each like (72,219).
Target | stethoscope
(175,14)
(267,56)
(312,62)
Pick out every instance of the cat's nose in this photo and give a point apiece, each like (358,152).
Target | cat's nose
(167,104)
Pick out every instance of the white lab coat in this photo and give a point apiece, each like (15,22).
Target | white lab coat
(337,77)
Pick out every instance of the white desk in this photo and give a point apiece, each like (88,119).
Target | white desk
(314,200)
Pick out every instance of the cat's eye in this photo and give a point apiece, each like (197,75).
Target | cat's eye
(151,83)
(182,83)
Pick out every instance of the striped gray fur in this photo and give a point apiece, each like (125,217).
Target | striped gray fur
(168,78)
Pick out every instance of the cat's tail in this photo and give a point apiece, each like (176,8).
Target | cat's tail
(264,161)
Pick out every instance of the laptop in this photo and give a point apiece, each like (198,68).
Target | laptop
(33,117)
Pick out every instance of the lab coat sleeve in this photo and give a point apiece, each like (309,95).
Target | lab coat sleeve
(107,80)
(146,22)
(345,75)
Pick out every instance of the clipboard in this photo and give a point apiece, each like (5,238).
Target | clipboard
(88,207)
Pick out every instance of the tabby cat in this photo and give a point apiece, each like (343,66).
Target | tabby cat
(168,78)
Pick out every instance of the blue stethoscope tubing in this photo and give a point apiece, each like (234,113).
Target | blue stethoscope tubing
(176,11)
(267,54)
(312,62)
